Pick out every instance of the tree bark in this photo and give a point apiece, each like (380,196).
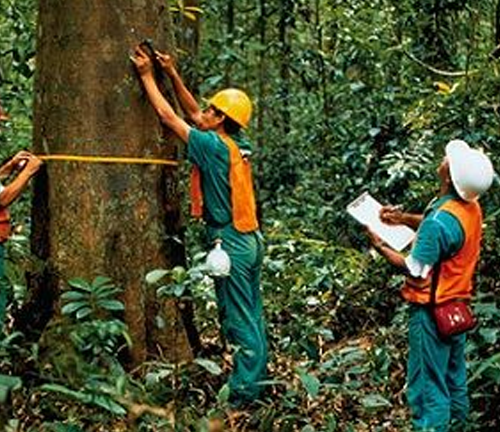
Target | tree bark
(286,17)
(116,220)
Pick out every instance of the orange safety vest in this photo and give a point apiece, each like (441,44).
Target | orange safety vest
(243,207)
(4,224)
(455,277)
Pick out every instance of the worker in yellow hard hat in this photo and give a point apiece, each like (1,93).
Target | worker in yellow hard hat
(222,195)
(20,168)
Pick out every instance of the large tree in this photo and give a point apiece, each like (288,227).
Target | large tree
(117,220)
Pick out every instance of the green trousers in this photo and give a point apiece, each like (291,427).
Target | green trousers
(241,314)
(437,383)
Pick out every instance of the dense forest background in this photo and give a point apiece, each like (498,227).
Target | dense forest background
(350,96)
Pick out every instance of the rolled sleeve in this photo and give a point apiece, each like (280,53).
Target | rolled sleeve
(416,268)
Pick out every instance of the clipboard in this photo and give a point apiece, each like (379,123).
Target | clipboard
(366,210)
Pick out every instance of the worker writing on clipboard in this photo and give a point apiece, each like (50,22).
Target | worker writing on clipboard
(439,271)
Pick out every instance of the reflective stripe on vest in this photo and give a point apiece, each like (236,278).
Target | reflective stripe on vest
(243,207)
(455,278)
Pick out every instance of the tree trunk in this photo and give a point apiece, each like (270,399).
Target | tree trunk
(286,16)
(497,23)
(262,89)
(116,220)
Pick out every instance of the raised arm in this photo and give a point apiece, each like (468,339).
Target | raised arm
(392,256)
(162,107)
(186,99)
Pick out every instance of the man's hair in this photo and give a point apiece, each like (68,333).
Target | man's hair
(230,126)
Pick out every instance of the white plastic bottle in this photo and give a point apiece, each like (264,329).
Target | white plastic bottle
(218,262)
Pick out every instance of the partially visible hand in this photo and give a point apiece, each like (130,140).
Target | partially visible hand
(375,240)
(142,62)
(20,159)
(166,61)
(21,156)
(33,164)
(391,215)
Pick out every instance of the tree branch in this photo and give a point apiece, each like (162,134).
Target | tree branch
(438,71)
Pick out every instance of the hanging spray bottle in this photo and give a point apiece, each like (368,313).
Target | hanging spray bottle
(218,262)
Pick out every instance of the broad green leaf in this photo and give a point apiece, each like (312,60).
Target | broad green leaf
(375,401)
(112,305)
(310,383)
(78,395)
(179,274)
(209,365)
(492,362)
(80,283)
(155,276)
(109,404)
(7,384)
(74,295)
(69,308)
(490,335)
(223,395)
(179,290)
(83,312)
(101,280)
(106,291)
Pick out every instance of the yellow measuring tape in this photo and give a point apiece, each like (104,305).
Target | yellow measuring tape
(108,159)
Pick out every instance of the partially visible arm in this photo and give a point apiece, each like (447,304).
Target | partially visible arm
(186,99)
(12,191)
(392,256)
(393,215)
(164,109)
(6,169)
(14,163)
(412,220)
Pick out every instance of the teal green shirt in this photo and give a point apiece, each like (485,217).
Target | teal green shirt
(439,236)
(211,155)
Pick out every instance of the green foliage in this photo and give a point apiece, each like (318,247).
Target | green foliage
(349,96)
(90,306)
(17,55)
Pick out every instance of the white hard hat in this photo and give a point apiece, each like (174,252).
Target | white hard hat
(471,170)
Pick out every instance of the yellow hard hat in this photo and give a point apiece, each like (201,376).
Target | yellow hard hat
(235,104)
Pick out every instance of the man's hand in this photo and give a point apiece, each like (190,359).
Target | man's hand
(20,159)
(33,164)
(391,215)
(375,240)
(142,62)
(167,62)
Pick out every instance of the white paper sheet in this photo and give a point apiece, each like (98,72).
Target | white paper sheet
(366,210)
